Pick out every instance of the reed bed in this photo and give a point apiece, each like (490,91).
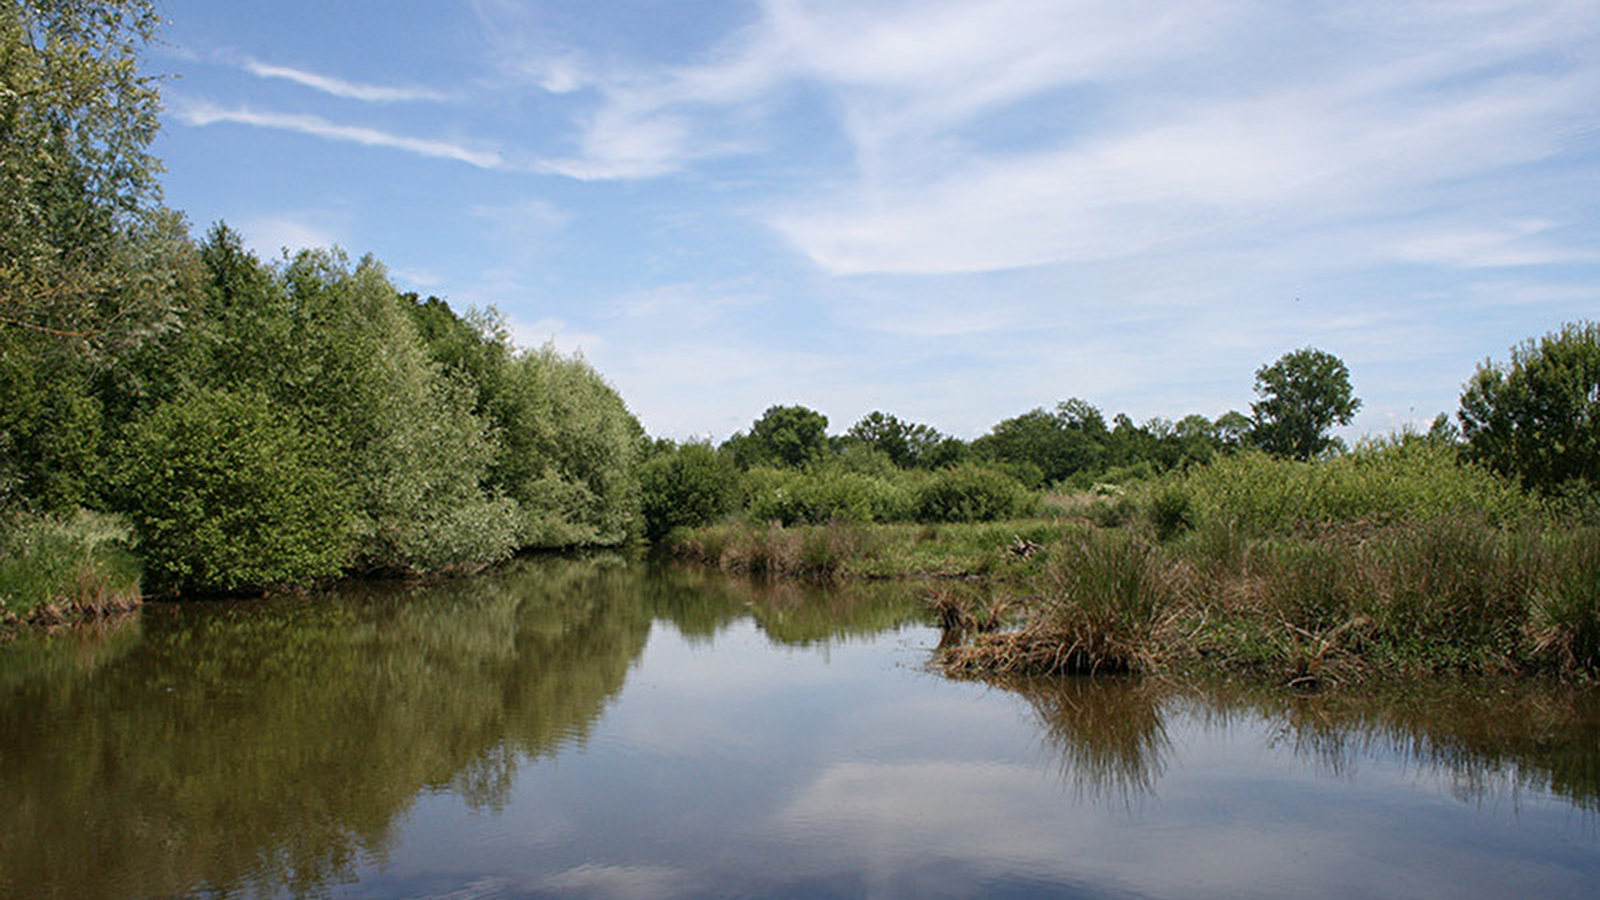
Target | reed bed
(64,569)
(1451,595)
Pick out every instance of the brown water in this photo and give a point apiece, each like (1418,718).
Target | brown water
(593,728)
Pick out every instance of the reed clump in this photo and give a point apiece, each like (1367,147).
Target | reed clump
(1102,597)
(55,569)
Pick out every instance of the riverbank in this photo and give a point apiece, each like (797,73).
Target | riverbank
(61,570)
(1106,588)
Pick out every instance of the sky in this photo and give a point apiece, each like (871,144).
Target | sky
(953,212)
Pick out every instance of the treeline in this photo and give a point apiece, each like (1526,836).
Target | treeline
(236,423)
(787,468)
(305,420)
(1532,420)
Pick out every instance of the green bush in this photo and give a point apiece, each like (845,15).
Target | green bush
(1405,479)
(972,494)
(820,495)
(226,494)
(1171,510)
(686,487)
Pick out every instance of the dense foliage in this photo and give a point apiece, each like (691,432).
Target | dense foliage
(1303,395)
(1537,418)
(226,492)
(256,424)
(685,486)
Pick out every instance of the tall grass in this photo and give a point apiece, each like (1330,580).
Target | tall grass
(1450,595)
(1379,482)
(1102,596)
(76,565)
(815,552)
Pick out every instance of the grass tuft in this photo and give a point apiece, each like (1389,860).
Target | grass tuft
(53,569)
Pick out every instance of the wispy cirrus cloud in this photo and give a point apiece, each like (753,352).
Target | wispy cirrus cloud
(993,134)
(201,113)
(339,87)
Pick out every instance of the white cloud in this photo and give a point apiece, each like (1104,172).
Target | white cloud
(555,332)
(338,87)
(200,114)
(270,235)
(1153,122)
(1513,244)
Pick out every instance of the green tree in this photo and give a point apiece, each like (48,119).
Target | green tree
(907,444)
(76,174)
(1074,438)
(86,252)
(571,452)
(1538,417)
(784,436)
(686,487)
(409,444)
(227,493)
(1232,430)
(1303,395)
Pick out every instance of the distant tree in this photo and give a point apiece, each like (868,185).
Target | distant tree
(1232,430)
(784,436)
(1057,444)
(1538,417)
(1303,395)
(906,444)
(687,486)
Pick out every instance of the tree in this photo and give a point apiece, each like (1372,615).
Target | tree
(686,487)
(1232,430)
(906,444)
(1072,439)
(76,177)
(1303,395)
(87,268)
(1538,417)
(784,436)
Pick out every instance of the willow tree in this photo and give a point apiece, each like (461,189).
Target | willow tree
(87,254)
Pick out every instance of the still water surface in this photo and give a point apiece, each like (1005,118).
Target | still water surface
(596,728)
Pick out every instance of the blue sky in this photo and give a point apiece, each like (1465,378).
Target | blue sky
(951,211)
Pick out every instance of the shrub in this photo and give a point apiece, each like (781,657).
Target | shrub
(225,494)
(687,487)
(1171,510)
(820,495)
(972,494)
(1406,479)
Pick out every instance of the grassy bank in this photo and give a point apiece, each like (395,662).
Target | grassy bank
(72,567)
(949,550)
(1394,560)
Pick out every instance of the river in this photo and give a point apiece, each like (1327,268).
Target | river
(597,727)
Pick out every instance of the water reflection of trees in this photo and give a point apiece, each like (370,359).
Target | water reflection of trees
(1482,737)
(701,603)
(1110,735)
(241,747)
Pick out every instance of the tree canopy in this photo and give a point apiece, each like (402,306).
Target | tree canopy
(1303,395)
(1538,417)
